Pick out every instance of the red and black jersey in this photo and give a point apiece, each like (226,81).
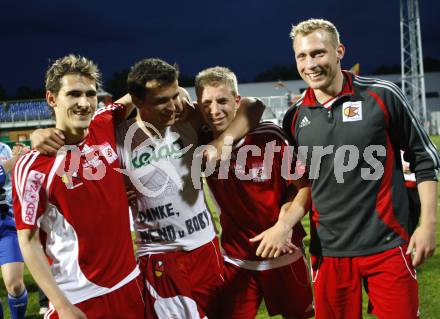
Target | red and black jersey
(352,146)
(251,194)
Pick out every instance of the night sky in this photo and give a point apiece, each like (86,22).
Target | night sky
(247,36)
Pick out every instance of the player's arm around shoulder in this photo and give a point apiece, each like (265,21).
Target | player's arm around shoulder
(47,140)
(248,116)
(128,104)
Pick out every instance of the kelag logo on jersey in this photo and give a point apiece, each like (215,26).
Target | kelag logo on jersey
(150,153)
(154,153)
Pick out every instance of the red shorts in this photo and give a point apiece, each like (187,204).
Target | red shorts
(389,279)
(286,291)
(126,302)
(183,284)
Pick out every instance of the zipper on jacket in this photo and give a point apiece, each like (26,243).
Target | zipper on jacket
(330,114)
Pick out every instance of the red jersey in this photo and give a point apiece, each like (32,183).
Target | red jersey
(81,211)
(251,196)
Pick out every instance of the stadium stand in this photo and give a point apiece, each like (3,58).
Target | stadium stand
(25,111)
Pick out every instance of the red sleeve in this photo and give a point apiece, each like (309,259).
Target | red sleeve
(28,191)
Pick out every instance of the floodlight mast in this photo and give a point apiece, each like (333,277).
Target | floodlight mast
(413,77)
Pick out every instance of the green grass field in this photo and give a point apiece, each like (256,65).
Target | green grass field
(428,276)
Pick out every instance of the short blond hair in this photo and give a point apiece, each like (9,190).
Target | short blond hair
(71,64)
(216,76)
(311,25)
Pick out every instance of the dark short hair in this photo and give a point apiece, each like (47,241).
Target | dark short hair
(149,70)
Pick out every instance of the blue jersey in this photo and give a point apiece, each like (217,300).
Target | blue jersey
(9,249)
(2,176)
(5,179)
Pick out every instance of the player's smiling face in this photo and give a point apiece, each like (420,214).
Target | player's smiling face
(318,59)
(218,106)
(75,103)
(159,105)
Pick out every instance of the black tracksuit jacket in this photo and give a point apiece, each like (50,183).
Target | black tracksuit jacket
(360,204)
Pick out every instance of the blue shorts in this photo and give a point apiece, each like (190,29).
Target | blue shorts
(9,248)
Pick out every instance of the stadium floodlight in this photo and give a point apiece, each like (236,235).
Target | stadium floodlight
(413,77)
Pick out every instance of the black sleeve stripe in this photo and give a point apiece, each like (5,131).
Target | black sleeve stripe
(427,144)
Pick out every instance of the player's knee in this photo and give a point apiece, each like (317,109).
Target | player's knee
(14,287)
